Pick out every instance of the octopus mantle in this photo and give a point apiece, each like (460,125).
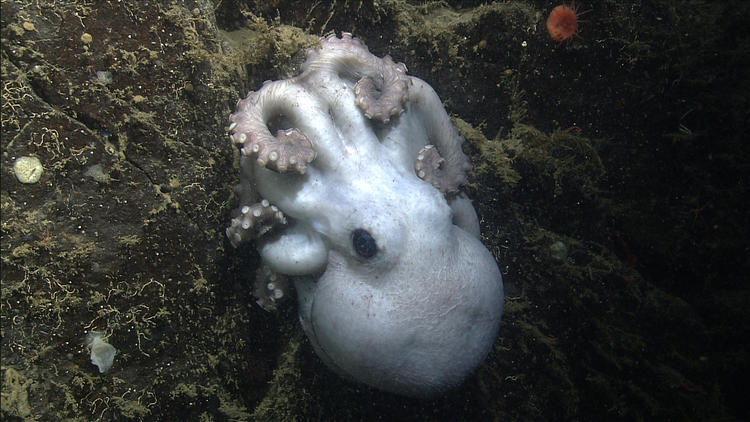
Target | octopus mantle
(359,170)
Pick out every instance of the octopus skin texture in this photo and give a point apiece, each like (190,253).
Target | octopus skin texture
(359,169)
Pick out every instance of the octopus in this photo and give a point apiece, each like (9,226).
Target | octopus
(350,188)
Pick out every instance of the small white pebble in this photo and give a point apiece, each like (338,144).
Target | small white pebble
(28,169)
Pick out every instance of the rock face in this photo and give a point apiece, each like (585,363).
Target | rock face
(616,144)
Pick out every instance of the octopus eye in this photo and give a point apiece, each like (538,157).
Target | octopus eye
(364,243)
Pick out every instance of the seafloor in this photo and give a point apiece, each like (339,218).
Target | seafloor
(625,148)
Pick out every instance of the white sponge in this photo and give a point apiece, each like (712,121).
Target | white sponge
(102,353)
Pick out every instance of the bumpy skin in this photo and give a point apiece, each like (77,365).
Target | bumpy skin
(395,288)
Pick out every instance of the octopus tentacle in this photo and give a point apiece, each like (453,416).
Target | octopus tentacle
(448,171)
(288,150)
(382,86)
(435,170)
(254,221)
(269,287)
(428,167)
(383,97)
